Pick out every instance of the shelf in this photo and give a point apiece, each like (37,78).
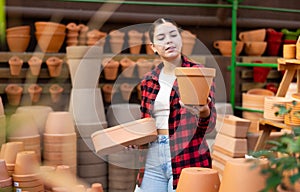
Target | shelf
(244,64)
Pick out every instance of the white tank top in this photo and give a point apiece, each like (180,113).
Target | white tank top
(161,109)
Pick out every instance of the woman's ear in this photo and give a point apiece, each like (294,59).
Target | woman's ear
(153,48)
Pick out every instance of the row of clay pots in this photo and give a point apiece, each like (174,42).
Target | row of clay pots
(14,93)
(54,65)
(126,89)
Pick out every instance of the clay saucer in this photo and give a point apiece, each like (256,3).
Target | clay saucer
(114,139)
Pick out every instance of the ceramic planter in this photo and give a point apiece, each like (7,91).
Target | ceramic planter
(59,122)
(194,179)
(35,65)
(126,90)
(15,65)
(54,66)
(114,139)
(18,43)
(224,46)
(270,109)
(3,171)
(194,84)
(55,92)
(135,41)
(35,92)
(239,175)
(110,68)
(127,66)
(87,52)
(10,153)
(14,94)
(253,35)
(26,163)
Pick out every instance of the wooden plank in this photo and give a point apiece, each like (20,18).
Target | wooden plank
(285,82)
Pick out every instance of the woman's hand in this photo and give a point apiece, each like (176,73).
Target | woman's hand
(131,147)
(202,111)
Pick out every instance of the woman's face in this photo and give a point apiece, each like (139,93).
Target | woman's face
(167,41)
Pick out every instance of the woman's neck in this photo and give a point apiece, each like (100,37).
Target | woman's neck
(169,66)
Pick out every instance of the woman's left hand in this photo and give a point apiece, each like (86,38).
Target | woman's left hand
(202,111)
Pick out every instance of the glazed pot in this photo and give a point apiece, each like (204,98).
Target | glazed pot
(15,65)
(54,66)
(194,179)
(35,65)
(194,84)
(14,94)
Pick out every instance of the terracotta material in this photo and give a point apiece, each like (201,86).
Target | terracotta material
(220,156)
(11,150)
(59,122)
(49,42)
(35,65)
(289,51)
(110,68)
(59,138)
(49,27)
(55,92)
(253,35)
(97,187)
(72,34)
(3,171)
(18,43)
(138,89)
(87,52)
(96,37)
(108,92)
(35,92)
(14,94)
(54,66)
(26,163)
(255,48)
(143,66)
(234,147)
(127,66)
(15,65)
(149,49)
(234,126)
(239,175)
(116,41)
(188,42)
(224,46)
(82,34)
(18,30)
(114,139)
(135,41)
(126,90)
(194,179)
(194,84)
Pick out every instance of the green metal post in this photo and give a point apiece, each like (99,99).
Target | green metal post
(2,22)
(233,55)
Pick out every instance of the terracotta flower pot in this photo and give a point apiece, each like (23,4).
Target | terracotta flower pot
(135,41)
(127,66)
(15,65)
(50,42)
(35,65)
(108,92)
(54,66)
(55,91)
(26,163)
(194,84)
(224,46)
(11,150)
(49,27)
(82,34)
(255,48)
(18,30)
(18,43)
(143,66)
(110,68)
(59,122)
(194,179)
(14,94)
(253,35)
(116,45)
(22,125)
(35,92)
(97,187)
(239,175)
(126,90)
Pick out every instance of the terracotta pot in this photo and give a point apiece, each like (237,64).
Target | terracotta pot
(127,66)
(114,139)
(110,68)
(116,45)
(255,48)
(18,43)
(86,52)
(11,150)
(135,46)
(15,65)
(239,175)
(59,122)
(188,42)
(289,51)
(72,27)
(194,179)
(3,171)
(35,65)
(35,92)
(225,47)
(143,66)
(108,92)
(26,163)
(148,45)
(54,66)
(22,125)
(126,90)
(18,30)
(49,27)
(56,92)
(14,94)
(253,35)
(194,84)
(49,42)
(97,187)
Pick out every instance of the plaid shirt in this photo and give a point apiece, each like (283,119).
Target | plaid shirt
(186,131)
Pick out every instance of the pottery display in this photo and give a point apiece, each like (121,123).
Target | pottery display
(83,51)
(83,29)
(114,139)
(10,152)
(35,65)
(231,146)
(15,65)
(224,46)
(188,42)
(270,109)
(96,37)
(59,122)
(55,91)
(18,43)
(274,41)
(194,179)
(72,34)
(54,65)
(255,48)
(116,41)
(49,42)
(14,94)
(253,35)
(194,84)
(26,163)
(22,125)
(35,92)
(110,68)
(127,66)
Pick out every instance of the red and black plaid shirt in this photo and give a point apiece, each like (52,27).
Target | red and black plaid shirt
(186,131)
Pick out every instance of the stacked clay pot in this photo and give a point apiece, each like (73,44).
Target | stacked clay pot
(72,34)
(96,37)
(9,152)
(23,128)
(26,174)
(18,38)
(83,30)
(126,90)
(110,68)
(59,147)
(5,178)
(50,36)
(254,42)
(135,41)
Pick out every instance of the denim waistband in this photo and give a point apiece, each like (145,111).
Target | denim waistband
(162,139)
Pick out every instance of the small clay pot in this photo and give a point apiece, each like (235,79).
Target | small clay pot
(55,91)
(15,65)
(54,66)
(14,94)
(11,150)
(126,90)
(143,66)
(108,92)
(110,68)
(22,125)
(50,42)
(127,66)
(26,163)
(59,122)
(35,65)
(35,92)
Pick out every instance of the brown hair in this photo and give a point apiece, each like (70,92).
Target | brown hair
(159,22)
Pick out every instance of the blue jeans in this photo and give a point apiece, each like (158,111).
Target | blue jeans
(158,170)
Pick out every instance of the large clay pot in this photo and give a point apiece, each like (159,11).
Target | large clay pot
(194,179)
(194,84)
(11,150)
(18,43)
(240,175)
(14,94)
(49,42)
(18,30)
(26,163)
(255,48)
(15,65)
(22,125)
(49,27)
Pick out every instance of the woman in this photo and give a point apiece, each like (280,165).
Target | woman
(181,129)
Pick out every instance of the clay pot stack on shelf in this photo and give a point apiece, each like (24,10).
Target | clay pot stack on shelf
(55,91)
(5,178)
(72,34)
(255,44)
(135,41)
(230,142)
(59,147)
(225,47)
(188,42)
(54,65)
(116,41)
(18,38)
(22,128)
(50,36)
(108,92)
(126,90)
